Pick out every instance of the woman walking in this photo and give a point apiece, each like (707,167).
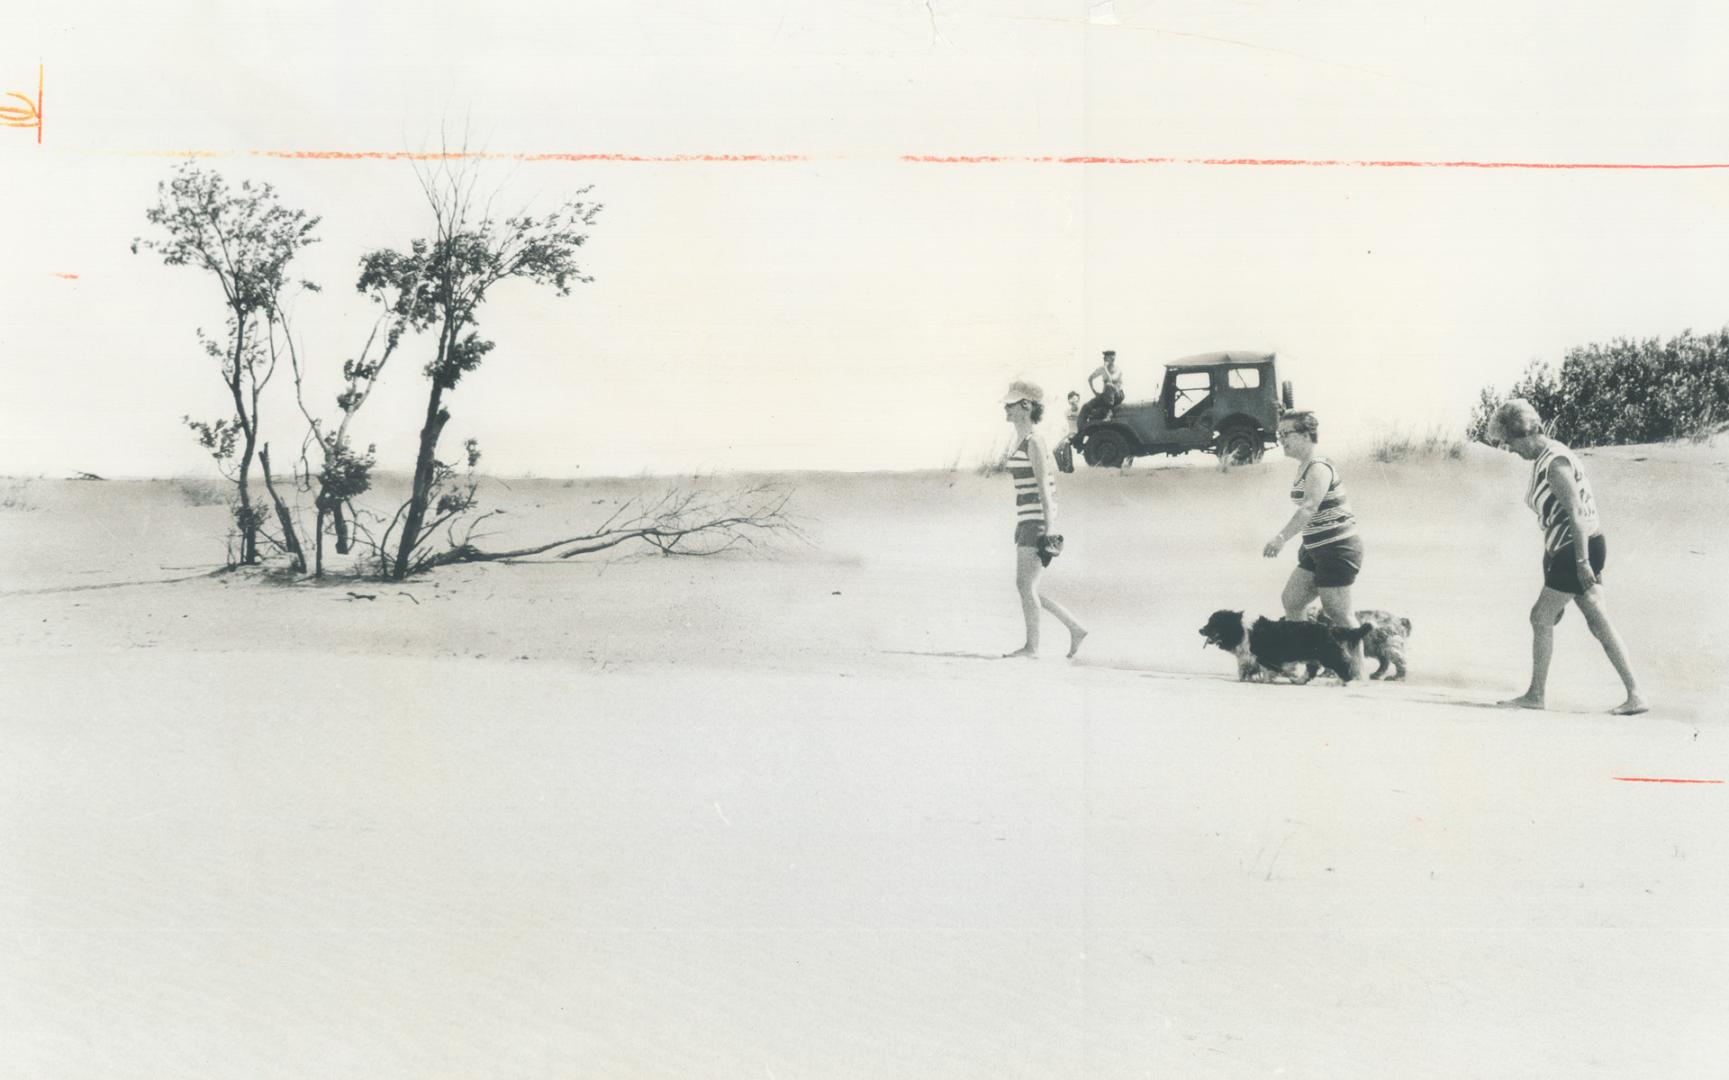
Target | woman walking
(1331,554)
(1037,541)
(1574,551)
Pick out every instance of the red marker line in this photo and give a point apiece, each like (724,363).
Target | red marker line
(1312,163)
(1661,780)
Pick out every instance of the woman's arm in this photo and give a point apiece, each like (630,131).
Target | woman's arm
(1314,490)
(1561,483)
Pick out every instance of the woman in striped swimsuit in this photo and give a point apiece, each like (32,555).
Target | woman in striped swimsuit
(1036,538)
(1574,550)
(1331,553)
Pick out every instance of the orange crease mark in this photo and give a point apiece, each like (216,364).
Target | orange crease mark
(28,115)
(68,277)
(403,155)
(937,159)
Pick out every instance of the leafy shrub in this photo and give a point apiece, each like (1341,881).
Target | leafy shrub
(1625,391)
(345,474)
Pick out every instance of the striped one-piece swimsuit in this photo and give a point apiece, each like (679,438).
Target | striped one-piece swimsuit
(1028,505)
(1551,512)
(1333,520)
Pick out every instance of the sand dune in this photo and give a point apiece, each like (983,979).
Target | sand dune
(778,816)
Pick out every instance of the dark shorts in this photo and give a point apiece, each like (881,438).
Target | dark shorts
(1561,567)
(1334,565)
(1101,404)
(1027,533)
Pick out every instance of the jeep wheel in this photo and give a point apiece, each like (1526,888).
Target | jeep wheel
(1106,448)
(1239,446)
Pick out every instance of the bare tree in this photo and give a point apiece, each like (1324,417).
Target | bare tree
(244,238)
(344,472)
(290,541)
(455,497)
(439,285)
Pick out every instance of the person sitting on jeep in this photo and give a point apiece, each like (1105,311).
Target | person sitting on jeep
(1106,383)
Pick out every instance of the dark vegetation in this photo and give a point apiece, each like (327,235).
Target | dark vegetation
(1625,391)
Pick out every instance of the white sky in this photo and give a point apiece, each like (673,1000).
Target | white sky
(854,310)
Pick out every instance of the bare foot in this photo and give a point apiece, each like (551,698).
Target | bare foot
(1026,652)
(1076,636)
(1523,701)
(1633,706)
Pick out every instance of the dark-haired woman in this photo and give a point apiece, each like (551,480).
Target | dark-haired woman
(1037,541)
(1331,554)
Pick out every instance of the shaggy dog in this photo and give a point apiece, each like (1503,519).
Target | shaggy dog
(1270,648)
(1386,640)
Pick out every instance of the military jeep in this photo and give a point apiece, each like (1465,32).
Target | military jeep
(1226,403)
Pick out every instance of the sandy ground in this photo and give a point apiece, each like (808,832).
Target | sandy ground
(780,817)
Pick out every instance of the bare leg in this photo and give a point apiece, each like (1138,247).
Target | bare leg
(1595,604)
(1545,613)
(1336,602)
(1027,569)
(1299,593)
(1077,632)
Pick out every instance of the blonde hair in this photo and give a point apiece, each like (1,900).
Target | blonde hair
(1514,418)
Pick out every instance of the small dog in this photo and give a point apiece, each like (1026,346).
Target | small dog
(1269,648)
(1386,641)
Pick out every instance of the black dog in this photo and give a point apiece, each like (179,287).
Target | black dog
(1271,648)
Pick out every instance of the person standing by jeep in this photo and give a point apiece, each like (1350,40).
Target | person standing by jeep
(1065,451)
(1037,541)
(1331,553)
(1106,383)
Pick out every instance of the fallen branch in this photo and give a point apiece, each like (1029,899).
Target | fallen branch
(677,523)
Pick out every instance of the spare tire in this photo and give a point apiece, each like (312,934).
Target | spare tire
(1285,394)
